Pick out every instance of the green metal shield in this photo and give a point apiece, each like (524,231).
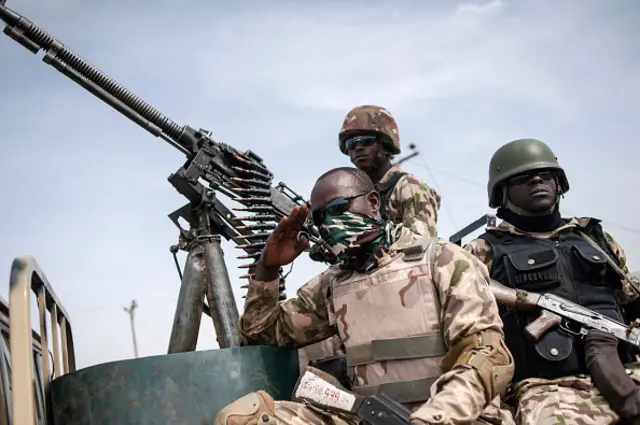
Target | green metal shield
(177,389)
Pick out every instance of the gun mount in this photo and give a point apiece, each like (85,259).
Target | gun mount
(211,167)
(485,220)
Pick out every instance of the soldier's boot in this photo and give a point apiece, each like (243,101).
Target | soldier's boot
(257,408)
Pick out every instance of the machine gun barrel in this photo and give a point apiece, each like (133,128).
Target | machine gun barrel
(184,138)
(97,82)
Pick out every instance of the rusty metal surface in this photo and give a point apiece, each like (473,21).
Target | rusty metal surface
(220,294)
(188,314)
(177,389)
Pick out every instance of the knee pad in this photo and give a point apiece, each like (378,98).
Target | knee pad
(257,408)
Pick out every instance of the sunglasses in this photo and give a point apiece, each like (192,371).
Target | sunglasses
(351,143)
(336,207)
(525,177)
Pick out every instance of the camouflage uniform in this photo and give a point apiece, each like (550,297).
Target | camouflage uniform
(570,399)
(411,201)
(567,400)
(429,297)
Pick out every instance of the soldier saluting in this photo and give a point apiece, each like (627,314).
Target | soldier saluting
(537,250)
(369,136)
(424,301)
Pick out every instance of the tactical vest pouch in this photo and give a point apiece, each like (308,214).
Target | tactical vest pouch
(592,265)
(535,271)
(405,392)
(554,346)
(397,349)
(621,274)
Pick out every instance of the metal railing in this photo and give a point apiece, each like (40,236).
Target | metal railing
(26,276)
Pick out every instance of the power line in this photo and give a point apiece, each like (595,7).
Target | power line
(437,187)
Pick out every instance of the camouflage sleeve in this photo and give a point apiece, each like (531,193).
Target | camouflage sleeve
(416,205)
(482,250)
(631,285)
(477,366)
(294,322)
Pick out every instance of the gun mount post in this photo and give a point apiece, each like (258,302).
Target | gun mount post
(205,273)
(189,307)
(220,295)
(224,311)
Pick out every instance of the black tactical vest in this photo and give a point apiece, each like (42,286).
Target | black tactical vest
(564,265)
(385,190)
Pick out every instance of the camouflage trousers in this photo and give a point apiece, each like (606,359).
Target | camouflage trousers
(572,400)
(293,413)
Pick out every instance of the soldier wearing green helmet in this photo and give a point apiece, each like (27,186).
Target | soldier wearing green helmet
(534,248)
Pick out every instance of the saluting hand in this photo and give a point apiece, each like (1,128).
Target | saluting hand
(281,247)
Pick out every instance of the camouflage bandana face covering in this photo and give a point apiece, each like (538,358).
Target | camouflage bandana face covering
(353,238)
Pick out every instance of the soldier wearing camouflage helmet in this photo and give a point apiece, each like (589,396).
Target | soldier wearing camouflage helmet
(370,137)
(415,314)
(537,250)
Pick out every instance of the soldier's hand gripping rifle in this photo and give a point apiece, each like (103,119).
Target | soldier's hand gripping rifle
(240,175)
(557,311)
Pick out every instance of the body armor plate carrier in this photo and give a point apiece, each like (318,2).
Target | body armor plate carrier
(565,265)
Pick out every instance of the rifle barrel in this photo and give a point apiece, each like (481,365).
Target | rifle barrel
(94,80)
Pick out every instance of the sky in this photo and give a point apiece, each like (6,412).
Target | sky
(85,190)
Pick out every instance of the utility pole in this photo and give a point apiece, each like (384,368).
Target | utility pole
(131,310)
(413,154)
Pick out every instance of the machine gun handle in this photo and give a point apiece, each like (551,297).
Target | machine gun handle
(542,324)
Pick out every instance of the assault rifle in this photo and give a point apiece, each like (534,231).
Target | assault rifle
(372,410)
(211,167)
(563,313)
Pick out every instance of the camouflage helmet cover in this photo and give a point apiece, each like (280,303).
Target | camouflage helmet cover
(517,157)
(370,119)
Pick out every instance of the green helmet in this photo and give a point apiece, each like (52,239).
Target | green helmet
(517,157)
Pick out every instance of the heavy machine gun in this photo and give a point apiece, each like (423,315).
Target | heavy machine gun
(211,167)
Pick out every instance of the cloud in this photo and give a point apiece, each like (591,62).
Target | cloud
(86,189)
